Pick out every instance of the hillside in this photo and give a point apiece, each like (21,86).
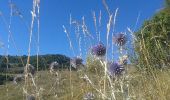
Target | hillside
(16,63)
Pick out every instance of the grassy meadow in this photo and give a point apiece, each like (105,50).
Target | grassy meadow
(52,86)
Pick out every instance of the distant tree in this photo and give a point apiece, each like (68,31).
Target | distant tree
(43,62)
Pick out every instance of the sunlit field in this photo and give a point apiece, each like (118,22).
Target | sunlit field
(57,87)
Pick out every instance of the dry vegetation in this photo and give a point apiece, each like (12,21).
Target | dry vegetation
(136,83)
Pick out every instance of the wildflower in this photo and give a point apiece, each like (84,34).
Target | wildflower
(115,69)
(120,39)
(99,50)
(89,96)
(76,61)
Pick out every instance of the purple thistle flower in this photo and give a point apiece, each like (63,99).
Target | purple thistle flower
(115,69)
(76,61)
(120,39)
(99,50)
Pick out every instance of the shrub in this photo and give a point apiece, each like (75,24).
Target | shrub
(153,39)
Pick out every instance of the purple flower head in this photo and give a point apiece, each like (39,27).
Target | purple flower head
(115,69)
(120,39)
(76,61)
(99,50)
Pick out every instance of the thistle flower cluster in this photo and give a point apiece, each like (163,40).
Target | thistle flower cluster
(120,39)
(99,50)
(114,68)
(117,68)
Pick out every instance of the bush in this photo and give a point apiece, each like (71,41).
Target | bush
(153,41)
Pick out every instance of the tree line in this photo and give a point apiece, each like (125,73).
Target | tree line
(15,64)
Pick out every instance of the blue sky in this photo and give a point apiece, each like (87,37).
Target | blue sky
(56,13)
